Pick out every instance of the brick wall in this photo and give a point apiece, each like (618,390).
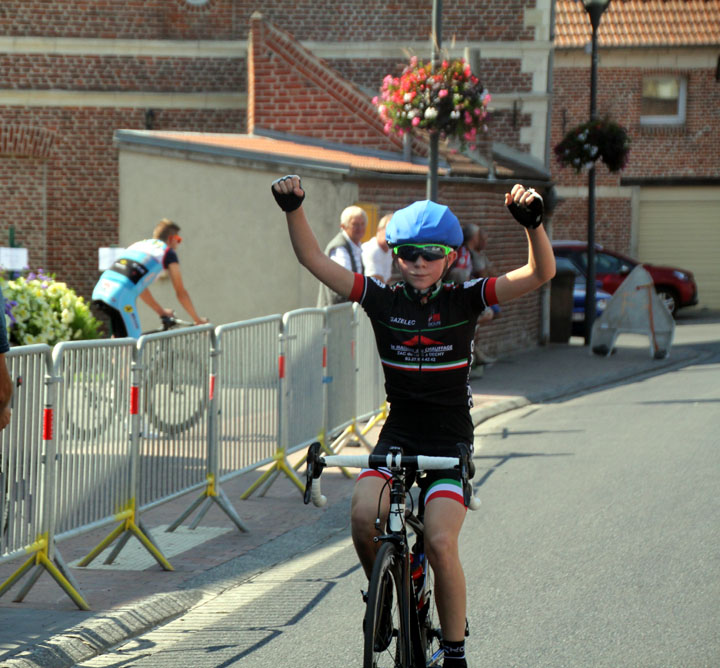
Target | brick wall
(293,91)
(76,179)
(691,150)
(82,198)
(321,20)
(123,73)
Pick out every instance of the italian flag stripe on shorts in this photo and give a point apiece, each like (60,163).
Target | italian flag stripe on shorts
(446,488)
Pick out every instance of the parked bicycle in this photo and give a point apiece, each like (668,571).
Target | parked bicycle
(400,627)
(176,382)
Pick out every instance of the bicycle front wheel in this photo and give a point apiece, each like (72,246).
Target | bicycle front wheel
(386,642)
(176,390)
(430,633)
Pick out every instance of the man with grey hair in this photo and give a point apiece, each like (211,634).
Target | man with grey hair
(345,249)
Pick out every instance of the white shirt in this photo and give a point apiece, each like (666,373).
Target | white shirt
(376,261)
(340,255)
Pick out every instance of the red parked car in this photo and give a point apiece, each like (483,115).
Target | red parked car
(677,287)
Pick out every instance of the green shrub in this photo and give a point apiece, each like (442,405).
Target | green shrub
(40,309)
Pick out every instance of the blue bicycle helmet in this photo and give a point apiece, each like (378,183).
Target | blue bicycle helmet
(424,222)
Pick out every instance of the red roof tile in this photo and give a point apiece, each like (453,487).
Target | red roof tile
(641,23)
(290,149)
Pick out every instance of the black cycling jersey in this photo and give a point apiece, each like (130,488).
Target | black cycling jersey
(425,345)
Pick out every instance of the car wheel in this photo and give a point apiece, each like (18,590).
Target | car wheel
(669,298)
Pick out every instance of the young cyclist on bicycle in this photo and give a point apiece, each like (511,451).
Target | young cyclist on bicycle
(424,332)
(130,276)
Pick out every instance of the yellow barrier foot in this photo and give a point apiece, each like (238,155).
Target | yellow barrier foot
(280,465)
(128,525)
(42,562)
(211,494)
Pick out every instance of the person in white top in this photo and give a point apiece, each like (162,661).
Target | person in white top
(376,254)
(345,250)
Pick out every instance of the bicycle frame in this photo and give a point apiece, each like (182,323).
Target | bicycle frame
(412,621)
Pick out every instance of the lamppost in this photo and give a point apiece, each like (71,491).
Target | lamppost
(436,46)
(595,9)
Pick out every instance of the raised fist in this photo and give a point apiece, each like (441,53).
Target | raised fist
(288,192)
(526,206)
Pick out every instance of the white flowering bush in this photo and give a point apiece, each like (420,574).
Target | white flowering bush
(39,309)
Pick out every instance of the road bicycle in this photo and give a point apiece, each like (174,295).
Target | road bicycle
(400,627)
(176,382)
(174,401)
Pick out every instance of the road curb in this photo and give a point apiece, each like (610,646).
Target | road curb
(100,633)
(485,412)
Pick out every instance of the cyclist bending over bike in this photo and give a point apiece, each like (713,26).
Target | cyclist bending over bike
(424,332)
(130,277)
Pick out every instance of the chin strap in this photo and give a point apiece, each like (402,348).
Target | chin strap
(422,296)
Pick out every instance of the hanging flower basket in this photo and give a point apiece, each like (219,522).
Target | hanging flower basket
(601,138)
(448,100)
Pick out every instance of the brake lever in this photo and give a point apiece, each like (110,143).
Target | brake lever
(313,470)
(467,473)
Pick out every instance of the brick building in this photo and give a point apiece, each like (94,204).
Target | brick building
(75,73)
(658,76)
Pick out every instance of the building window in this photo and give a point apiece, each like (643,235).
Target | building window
(663,100)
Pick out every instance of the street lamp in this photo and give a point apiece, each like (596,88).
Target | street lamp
(436,46)
(595,9)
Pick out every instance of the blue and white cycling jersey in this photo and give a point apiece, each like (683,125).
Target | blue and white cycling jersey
(121,285)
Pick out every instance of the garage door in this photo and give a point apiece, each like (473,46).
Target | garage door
(680,227)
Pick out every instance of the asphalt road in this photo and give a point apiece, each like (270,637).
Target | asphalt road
(596,545)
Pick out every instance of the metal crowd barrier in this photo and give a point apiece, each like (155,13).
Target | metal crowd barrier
(21,452)
(174,396)
(301,407)
(369,377)
(96,479)
(92,423)
(248,395)
(104,430)
(27,475)
(340,385)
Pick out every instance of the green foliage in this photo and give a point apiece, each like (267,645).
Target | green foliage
(601,138)
(39,309)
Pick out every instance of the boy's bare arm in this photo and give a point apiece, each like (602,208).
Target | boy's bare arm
(540,266)
(288,193)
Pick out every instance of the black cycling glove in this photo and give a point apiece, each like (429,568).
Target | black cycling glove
(287,201)
(530,215)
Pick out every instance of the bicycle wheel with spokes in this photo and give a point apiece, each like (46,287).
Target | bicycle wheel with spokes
(386,644)
(176,390)
(430,634)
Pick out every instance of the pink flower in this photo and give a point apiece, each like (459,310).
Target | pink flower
(416,121)
(387,128)
(443,92)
